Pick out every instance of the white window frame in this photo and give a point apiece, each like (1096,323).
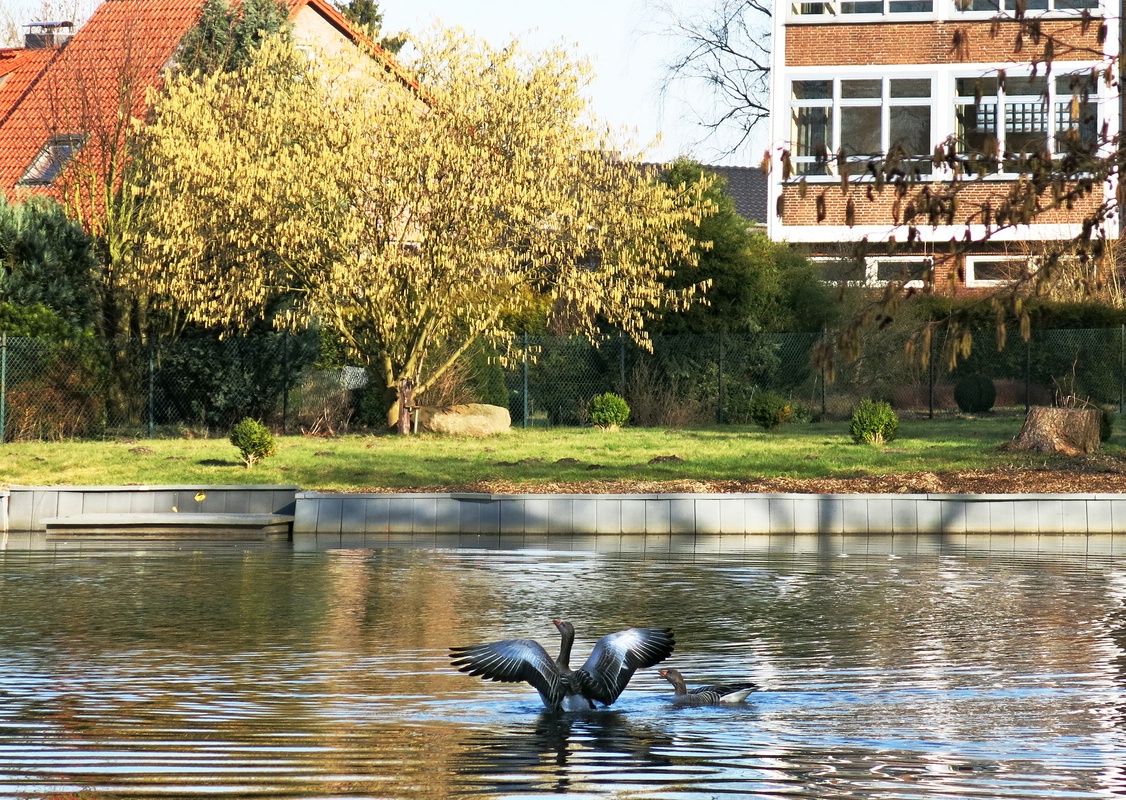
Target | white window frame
(1053,100)
(872,270)
(836,102)
(1006,8)
(832,11)
(52,159)
(971,267)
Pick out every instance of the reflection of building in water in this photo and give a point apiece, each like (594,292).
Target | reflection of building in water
(1111,631)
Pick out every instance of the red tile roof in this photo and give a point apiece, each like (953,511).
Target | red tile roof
(78,89)
(125,43)
(19,68)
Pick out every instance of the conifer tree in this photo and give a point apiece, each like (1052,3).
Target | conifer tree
(225,35)
(368,18)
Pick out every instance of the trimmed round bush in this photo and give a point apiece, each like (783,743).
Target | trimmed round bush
(874,422)
(254,441)
(609,410)
(770,409)
(975,394)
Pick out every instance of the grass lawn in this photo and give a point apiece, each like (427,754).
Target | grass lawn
(561,455)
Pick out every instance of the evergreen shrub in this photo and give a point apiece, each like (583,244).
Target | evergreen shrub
(770,409)
(874,422)
(609,410)
(975,393)
(254,441)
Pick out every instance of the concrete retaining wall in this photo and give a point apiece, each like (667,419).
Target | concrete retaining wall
(709,514)
(28,506)
(25,507)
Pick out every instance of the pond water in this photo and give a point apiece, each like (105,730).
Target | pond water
(890,667)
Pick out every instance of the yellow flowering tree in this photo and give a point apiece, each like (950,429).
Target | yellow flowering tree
(411,219)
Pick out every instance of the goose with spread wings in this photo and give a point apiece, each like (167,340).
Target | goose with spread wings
(600,680)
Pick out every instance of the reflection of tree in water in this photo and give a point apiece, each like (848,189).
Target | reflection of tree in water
(558,750)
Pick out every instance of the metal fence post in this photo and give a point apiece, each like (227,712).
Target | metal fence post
(824,388)
(3,385)
(285,381)
(621,363)
(152,384)
(930,374)
(525,393)
(719,404)
(1121,367)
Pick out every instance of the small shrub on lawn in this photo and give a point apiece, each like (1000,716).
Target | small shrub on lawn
(874,422)
(770,409)
(609,410)
(975,394)
(254,441)
(1106,424)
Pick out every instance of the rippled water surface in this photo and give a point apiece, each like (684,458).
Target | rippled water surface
(890,668)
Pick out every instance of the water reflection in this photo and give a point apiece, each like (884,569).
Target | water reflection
(558,752)
(890,667)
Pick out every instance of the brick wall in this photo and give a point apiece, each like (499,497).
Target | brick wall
(849,44)
(879,208)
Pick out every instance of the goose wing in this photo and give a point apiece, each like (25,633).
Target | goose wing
(513,661)
(617,656)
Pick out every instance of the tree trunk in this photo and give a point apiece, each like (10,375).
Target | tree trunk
(1070,431)
(406,398)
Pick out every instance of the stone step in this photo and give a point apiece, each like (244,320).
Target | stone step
(170,525)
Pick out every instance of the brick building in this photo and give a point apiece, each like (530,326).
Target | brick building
(858,81)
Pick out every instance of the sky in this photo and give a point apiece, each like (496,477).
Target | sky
(625,41)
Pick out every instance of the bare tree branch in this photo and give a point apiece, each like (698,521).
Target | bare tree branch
(725,48)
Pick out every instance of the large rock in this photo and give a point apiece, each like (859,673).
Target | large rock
(471,419)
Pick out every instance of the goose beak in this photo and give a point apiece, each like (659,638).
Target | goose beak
(663,672)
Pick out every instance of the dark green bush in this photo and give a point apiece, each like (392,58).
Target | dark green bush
(770,409)
(254,441)
(609,410)
(975,393)
(1106,424)
(874,422)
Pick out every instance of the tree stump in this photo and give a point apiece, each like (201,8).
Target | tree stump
(1070,431)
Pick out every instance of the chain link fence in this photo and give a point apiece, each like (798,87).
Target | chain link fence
(202,386)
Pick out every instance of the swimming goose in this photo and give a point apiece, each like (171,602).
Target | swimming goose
(705,695)
(600,679)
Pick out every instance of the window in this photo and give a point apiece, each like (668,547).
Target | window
(49,162)
(1001,124)
(1076,114)
(912,271)
(1010,6)
(854,7)
(838,271)
(811,116)
(865,120)
(995,270)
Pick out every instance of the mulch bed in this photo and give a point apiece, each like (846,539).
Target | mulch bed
(1084,475)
